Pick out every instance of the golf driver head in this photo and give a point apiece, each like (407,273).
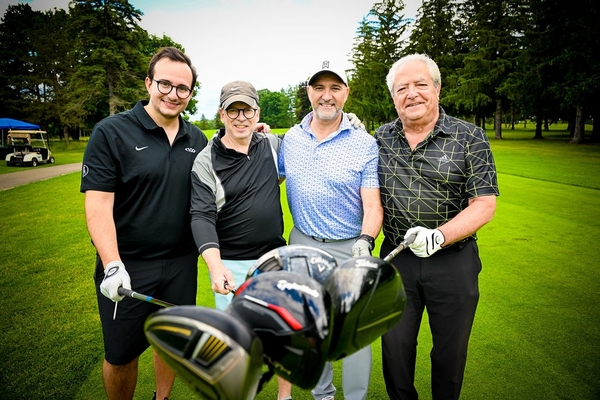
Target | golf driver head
(306,260)
(216,355)
(288,311)
(367,299)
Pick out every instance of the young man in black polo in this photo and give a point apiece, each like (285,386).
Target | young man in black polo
(136,180)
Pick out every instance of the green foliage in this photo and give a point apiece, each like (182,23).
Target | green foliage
(66,71)
(275,108)
(217,123)
(495,57)
(303,105)
(204,123)
(106,44)
(379,41)
(533,58)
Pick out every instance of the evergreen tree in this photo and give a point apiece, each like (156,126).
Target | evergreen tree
(303,106)
(439,34)
(17,61)
(110,73)
(379,44)
(492,55)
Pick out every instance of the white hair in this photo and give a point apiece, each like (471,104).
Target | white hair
(434,71)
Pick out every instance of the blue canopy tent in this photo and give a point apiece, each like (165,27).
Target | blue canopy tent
(9,123)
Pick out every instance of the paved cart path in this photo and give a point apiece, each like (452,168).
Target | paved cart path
(33,174)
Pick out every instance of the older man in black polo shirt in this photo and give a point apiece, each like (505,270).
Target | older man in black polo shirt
(438,181)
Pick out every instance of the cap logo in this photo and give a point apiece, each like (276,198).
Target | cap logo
(325,64)
(233,89)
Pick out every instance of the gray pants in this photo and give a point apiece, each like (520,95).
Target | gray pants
(356,368)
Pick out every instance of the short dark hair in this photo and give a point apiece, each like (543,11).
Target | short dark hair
(174,54)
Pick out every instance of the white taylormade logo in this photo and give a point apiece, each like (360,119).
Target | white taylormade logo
(285,285)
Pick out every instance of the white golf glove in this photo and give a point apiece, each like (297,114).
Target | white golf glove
(115,276)
(427,242)
(355,121)
(363,246)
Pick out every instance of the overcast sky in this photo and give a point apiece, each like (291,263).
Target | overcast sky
(271,43)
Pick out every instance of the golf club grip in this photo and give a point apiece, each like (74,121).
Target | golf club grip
(404,244)
(138,296)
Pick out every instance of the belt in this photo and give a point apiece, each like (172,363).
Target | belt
(322,240)
(454,247)
(328,240)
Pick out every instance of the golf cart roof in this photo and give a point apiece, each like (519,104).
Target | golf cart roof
(23,133)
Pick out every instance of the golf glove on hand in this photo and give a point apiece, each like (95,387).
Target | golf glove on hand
(355,121)
(115,276)
(427,242)
(363,246)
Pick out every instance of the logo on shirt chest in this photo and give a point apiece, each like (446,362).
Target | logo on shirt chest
(190,150)
(443,159)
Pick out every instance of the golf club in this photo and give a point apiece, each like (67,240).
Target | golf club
(404,244)
(288,312)
(367,299)
(143,297)
(306,260)
(217,356)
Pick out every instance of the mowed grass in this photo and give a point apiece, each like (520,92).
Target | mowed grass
(535,336)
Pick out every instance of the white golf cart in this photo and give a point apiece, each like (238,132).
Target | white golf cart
(28,148)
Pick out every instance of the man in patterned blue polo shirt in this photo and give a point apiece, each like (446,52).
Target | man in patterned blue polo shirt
(438,181)
(332,186)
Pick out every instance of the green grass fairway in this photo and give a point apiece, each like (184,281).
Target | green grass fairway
(536,333)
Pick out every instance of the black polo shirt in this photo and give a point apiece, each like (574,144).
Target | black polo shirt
(236,204)
(130,156)
(431,184)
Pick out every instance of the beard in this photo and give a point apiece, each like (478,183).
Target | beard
(329,114)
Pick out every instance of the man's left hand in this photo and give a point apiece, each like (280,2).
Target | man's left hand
(363,246)
(262,127)
(355,121)
(427,242)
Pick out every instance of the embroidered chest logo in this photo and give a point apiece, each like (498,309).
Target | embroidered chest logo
(443,160)
(141,148)
(190,149)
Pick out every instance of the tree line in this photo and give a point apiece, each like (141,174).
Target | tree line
(65,71)
(502,61)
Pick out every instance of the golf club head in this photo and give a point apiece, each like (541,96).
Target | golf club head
(216,355)
(367,299)
(306,260)
(288,311)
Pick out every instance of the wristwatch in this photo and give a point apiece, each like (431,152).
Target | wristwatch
(369,239)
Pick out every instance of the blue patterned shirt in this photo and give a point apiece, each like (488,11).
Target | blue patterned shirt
(323,179)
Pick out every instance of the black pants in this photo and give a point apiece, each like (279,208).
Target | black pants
(446,285)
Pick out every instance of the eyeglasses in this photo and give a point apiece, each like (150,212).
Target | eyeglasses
(233,113)
(165,87)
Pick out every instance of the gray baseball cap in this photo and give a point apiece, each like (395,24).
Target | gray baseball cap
(326,67)
(238,91)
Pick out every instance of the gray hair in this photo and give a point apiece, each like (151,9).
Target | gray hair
(434,71)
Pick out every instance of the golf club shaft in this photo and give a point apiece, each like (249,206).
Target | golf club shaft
(227,286)
(143,297)
(404,244)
